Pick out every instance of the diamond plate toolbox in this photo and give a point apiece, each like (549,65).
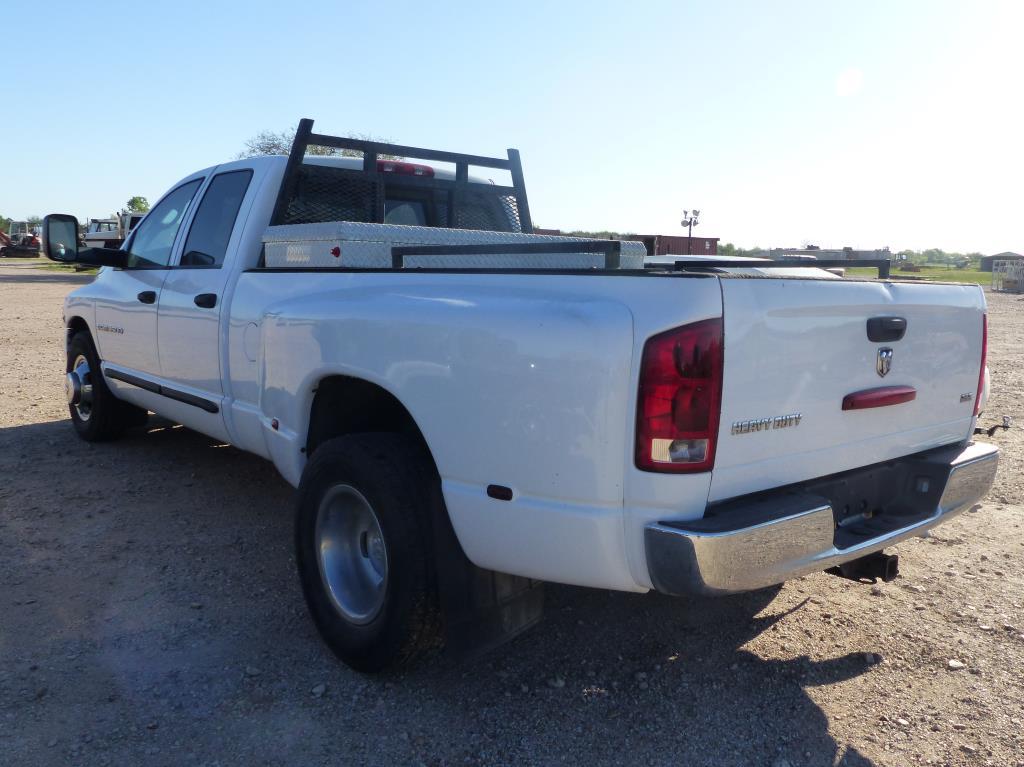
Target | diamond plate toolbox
(368,246)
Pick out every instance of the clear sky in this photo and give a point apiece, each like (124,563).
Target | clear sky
(867,124)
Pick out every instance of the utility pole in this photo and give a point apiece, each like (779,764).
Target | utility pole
(689,221)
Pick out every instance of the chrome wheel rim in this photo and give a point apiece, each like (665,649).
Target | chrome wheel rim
(351,554)
(78,387)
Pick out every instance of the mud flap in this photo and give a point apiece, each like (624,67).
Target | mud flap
(482,609)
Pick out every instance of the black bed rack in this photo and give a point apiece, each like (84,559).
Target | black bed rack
(683,264)
(375,150)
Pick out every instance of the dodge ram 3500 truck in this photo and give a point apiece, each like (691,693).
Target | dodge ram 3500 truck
(469,410)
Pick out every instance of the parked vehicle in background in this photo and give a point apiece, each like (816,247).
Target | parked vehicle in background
(19,240)
(468,409)
(111,232)
(101,231)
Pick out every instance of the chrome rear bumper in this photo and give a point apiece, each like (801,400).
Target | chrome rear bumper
(768,541)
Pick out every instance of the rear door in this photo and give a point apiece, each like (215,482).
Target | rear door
(796,349)
(192,301)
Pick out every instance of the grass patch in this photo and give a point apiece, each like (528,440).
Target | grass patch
(930,273)
(50,266)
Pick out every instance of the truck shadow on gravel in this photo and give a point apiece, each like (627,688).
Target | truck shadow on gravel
(151,592)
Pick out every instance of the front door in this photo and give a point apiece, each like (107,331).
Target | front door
(126,312)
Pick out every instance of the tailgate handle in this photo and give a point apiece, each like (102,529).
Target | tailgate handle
(884,329)
(883,396)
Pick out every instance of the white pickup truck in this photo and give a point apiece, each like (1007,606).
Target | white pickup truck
(468,410)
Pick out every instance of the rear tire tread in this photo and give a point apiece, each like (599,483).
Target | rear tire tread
(399,480)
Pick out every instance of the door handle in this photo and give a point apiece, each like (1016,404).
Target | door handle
(206,300)
(147,296)
(883,329)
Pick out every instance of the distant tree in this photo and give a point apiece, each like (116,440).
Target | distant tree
(269,142)
(732,251)
(603,235)
(5,224)
(137,204)
(34,221)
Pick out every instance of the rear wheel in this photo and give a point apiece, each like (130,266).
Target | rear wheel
(362,534)
(96,413)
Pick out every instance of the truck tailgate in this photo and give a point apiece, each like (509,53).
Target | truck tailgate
(794,349)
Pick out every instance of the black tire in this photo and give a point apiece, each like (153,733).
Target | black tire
(397,479)
(107,416)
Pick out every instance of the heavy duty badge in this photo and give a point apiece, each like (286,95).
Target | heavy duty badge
(764,424)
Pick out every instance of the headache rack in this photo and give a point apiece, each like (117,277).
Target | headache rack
(361,193)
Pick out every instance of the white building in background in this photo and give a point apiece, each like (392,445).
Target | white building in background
(832,254)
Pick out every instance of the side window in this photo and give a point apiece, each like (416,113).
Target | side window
(207,241)
(406,212)
(153,240)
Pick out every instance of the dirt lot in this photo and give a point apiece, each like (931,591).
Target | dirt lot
(149,614)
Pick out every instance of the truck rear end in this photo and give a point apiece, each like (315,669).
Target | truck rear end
(787,420)
(834,417)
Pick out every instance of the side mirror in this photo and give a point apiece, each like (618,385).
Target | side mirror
(60,243)
(60,238)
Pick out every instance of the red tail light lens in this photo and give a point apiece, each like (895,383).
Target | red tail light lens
(984,361)
(680,399)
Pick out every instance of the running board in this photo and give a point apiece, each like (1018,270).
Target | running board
(164,391)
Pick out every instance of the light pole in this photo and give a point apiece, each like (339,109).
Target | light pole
(689,221)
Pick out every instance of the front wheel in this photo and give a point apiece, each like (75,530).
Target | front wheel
(363,548)
(96,413)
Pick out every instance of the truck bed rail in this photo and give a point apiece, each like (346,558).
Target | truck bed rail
(883,266)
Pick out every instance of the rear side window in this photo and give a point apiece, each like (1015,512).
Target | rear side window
(481,210)
(323,193)
(153,240)
(405,212)
(207,242)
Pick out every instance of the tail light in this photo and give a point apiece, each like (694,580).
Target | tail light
(680,399)
(984,361)
(404,168)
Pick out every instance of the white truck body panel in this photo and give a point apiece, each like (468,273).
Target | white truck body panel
(512,379)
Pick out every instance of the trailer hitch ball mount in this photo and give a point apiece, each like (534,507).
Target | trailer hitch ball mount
(991,430)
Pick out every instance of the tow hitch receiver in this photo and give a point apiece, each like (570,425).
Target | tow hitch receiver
(991,430)
(871,568)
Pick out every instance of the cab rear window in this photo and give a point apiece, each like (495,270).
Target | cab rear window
(324,194)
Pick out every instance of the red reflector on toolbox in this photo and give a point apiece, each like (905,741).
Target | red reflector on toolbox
(883,396)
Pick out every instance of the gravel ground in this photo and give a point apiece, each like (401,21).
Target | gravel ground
(150,614)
